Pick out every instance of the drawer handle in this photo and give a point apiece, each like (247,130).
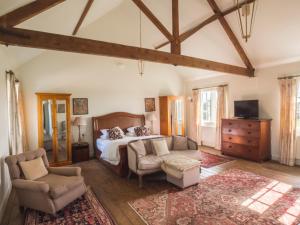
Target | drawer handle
(249,125)
(249,150)
(249,141)
(249,132)
(230,146)
(229,130)
(230,123)
(230,138)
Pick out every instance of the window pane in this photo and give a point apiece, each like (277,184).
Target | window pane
(208,107)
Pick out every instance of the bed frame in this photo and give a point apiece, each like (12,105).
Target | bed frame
(122,120)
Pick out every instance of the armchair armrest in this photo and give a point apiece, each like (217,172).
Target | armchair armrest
(193,145)
(31,185)
(65,171)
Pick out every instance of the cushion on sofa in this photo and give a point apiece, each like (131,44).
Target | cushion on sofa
(160,146)
(193,154)
(180,143)
(149,162)
(59,185)
(139,147)
(33,169)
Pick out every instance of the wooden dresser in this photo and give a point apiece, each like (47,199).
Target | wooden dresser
(248,139)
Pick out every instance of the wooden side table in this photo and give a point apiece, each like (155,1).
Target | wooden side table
(80,152)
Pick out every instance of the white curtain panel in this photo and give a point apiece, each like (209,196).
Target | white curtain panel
(222,112)
(196,120)
(287,139)
(17,134)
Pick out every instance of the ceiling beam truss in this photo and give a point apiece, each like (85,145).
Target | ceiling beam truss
(175,45)
(83,15)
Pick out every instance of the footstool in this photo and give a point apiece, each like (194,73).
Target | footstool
(181,171)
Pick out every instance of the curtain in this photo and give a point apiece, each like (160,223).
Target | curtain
(17,134)
(196,120)
(174,117)
(222,112)
(288,90)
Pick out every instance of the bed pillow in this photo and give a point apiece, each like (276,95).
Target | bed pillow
(104,133)
(160,147)
(129,134)
(115,133)
(33,169)
(142,131)
(131,129)
(180,143)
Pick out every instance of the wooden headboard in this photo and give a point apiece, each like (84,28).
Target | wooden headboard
(120,119)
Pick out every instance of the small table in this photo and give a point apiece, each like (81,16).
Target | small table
(80,152)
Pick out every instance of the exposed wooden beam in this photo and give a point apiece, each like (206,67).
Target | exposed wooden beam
(230,34)
(153,18)
(185,35)
(83,15)
(42,40)
(26,12)
(175,45)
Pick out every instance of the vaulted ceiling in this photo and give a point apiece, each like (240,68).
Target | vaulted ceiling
(275,38)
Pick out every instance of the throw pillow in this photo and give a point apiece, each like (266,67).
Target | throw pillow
(180,143)
(160,147)
(115,133)
(139,147)
(33,169)
(142,131)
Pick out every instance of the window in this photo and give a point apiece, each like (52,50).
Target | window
(179,110)
(208,107)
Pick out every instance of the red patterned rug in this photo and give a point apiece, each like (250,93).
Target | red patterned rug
(210,160)
(234,197)
(86,210)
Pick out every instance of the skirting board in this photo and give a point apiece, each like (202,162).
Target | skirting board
(276,158)
(4,202)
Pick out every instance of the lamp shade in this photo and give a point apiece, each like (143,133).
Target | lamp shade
(79,121)
(151,117)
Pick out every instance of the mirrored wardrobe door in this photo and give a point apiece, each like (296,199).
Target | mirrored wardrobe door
(61,130)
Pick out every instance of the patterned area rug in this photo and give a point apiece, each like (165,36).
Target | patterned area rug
(234,197)
(83,211)
(210,160)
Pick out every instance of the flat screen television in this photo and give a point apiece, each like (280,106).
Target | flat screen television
(246,109)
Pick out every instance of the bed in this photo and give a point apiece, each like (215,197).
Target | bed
(116,161)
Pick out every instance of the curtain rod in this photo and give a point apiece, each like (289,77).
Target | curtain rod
(288,77)
(224,85)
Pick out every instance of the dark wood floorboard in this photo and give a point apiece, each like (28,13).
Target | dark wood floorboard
(115,192)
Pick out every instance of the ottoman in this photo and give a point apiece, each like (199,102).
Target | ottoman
(181,171)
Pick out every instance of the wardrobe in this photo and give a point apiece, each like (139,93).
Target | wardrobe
(54,127)
(171,115)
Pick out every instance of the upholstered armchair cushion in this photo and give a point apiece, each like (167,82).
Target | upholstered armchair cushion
(193,145)
(139,147)
(180,143)
(65,171)
(14,160)
(35,186)
(33,169)
(160,147)
(149,162)
(60,185)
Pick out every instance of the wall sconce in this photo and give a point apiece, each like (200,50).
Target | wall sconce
(190,99)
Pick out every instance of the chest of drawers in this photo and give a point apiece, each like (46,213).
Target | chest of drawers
(248,139)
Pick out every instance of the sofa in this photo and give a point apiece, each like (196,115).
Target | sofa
(143,164)
(49,193)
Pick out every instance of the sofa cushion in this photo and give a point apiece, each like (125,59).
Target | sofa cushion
(180,143)
(194,154)
(59,185)
(160,147)
(149,162)
(169,141)
(139,147)
(33,169)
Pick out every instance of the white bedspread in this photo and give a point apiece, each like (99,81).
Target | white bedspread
(109,148)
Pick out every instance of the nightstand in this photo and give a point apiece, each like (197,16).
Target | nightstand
(80,152)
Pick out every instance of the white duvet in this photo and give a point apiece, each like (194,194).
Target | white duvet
(109,148)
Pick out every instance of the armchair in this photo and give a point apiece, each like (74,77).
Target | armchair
(50,193)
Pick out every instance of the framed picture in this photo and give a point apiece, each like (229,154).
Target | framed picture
(61,108)
(80,106)
(149,104)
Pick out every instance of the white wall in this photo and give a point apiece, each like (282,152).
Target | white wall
(263,87)
(5,185)
(109,87)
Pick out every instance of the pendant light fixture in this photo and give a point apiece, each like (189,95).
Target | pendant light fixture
(141,65)
(246,14)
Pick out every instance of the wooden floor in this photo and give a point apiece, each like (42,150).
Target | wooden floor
(114,192)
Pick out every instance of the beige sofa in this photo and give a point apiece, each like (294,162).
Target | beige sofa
(50,193)
(151,163)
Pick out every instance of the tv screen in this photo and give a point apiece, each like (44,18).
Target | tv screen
(246,109)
